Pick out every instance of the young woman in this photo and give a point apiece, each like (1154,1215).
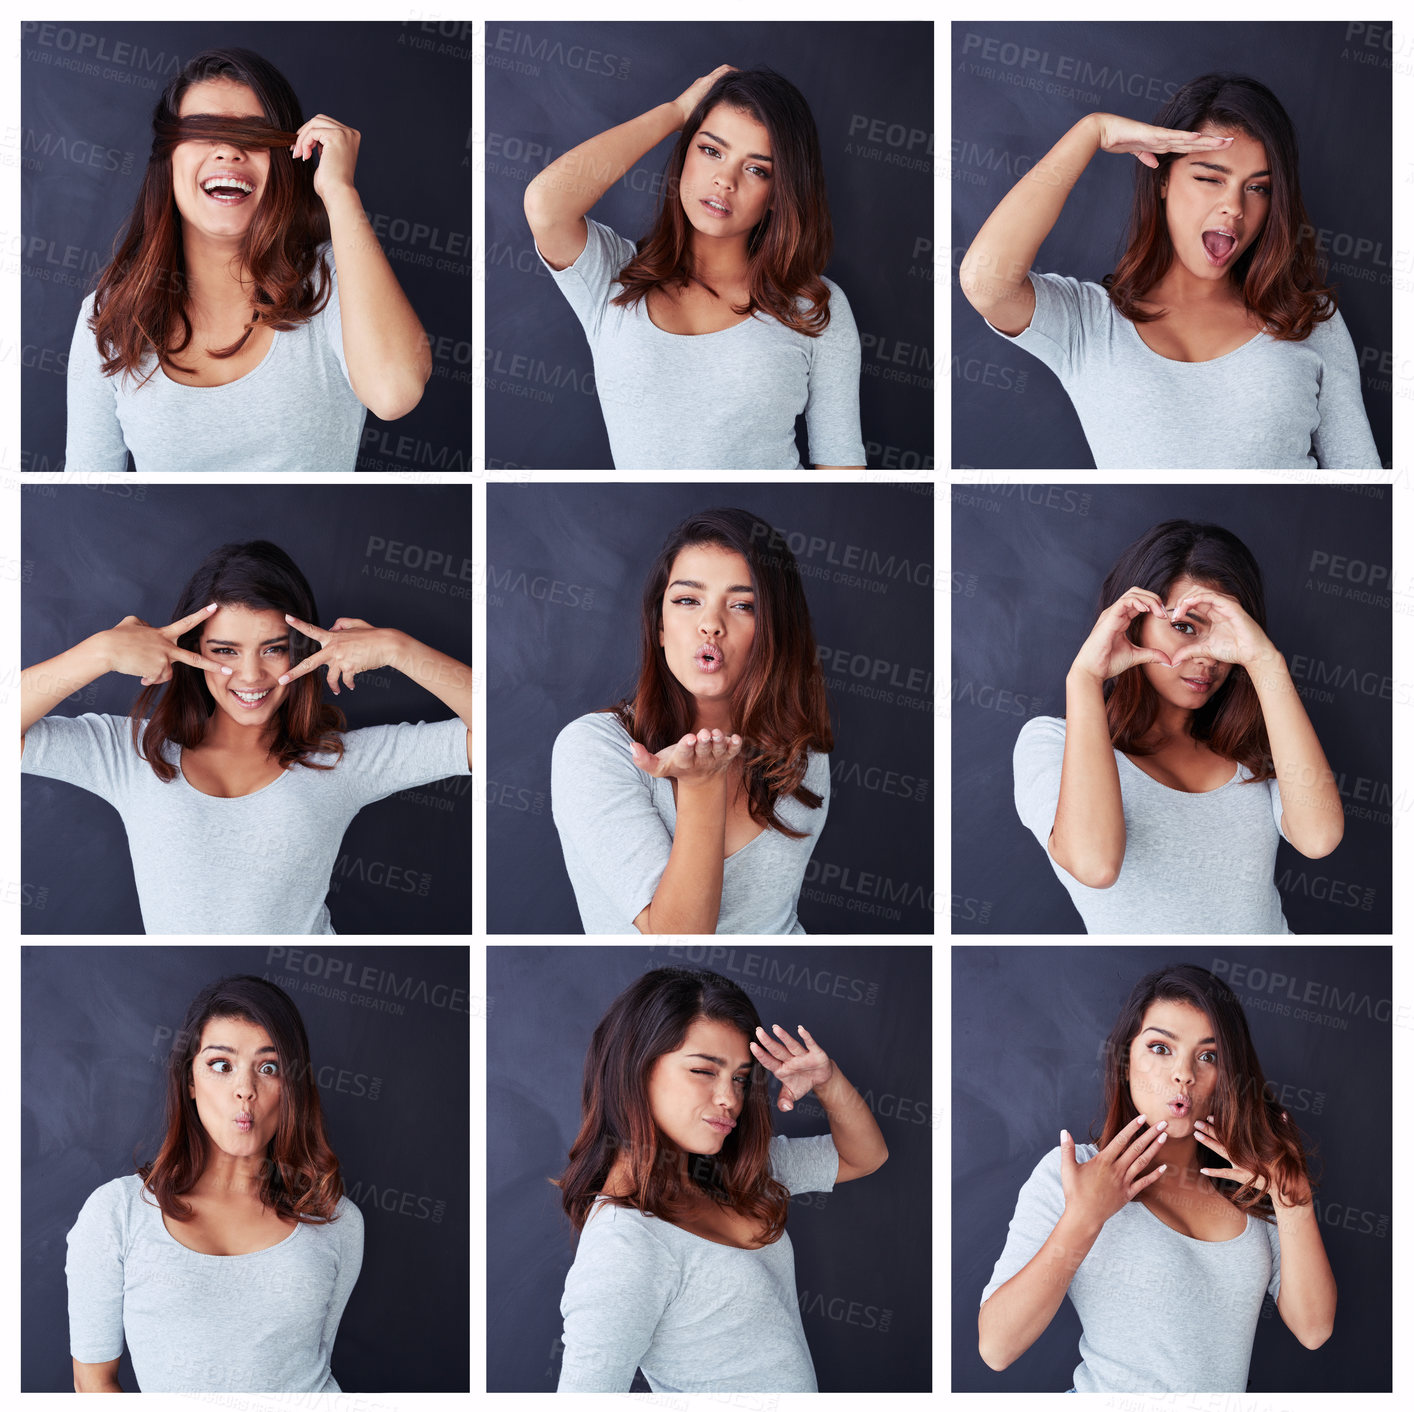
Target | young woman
(1185,754)
(1195,1203)
(220,337)
(718,329)
(236,783)
(226,1262)
(679,1192)
(1215,342)
(694,804)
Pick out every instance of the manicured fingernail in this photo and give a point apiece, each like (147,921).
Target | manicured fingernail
(227,671)
(1163,1122)
(210,608)
(283,681)
(789,1106)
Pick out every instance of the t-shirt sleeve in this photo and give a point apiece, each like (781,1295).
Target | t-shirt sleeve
(832,402)
(602,804)
(330,319)
(805,1163)
(1274,1243)
(1274,792)
(93,436)
(91,751)
(94,1267)
(1342,439)
(1039,1205)
(348,1231)
(621,1281)
(381,760)
(1036,774)
(586,282)
(1057,327)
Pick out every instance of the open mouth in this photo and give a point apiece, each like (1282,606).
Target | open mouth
(1219,244)
(1181,1107)
(251,699)
(227,188)
(715,207)
(709,657)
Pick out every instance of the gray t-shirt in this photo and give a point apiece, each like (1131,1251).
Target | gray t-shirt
(294,411)
(263,1322)
(695,1315)
(260,863)
(1269,405)
(1160,1311)
(713,401)
(1192,862)
(616,828)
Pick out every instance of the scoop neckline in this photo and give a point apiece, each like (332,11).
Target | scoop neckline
(1182,363)
(692,1235)
(1187,793)
(225,798)
(1247,1219)
(221,386)
(711,333)
(241,1255)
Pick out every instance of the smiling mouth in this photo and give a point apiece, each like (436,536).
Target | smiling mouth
(715,207)
(228,189)
(1219,244)
(709,657)
(251,699)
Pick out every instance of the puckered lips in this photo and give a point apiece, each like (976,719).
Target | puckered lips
(709,657)
(1181,1106)
(244,1122)
(722,1125)
(228,188)
(1219,244)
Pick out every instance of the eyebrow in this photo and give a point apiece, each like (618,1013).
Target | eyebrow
(1226,171)
(226,1049)
(1207,1039)
(717,1059)
(722,142)
(226,642)
(702,587)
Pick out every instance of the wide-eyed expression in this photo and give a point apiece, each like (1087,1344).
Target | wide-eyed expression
(1173,1066)
(235,1082)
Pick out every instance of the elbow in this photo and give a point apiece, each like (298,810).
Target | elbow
(1315,1338)
(996,1358)
(1098,873)
(1319,843)
(398,396)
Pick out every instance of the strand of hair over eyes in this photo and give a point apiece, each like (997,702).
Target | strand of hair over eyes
(208,127)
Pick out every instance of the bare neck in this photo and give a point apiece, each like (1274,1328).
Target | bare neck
(218,285)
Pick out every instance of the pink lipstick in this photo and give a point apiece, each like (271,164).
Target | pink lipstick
(709,657)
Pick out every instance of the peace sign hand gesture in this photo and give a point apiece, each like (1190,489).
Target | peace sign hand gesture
(799,1066)
(349,647)
(137,649)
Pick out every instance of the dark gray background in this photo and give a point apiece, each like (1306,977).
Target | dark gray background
(1029,1028)
(93,554)
(87,135)
(1008,408)
(550,87)
(863,1253)
(1027,565)
(565,571)
(388,1039)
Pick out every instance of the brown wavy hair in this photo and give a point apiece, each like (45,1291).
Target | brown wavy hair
(1281,275)
(257,575)
(779,705)
(1255,1129)
(789,247)
(300,1177)
(140,307)
(1231,723)
(650,1019)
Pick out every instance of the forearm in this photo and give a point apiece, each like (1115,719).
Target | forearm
(1313,818)
(572,184)
(46,684)
(856,1134)
(447,679)
(1088,838)
(1019,1312)
(384,343)
(1307,1299)
(688,897)
(995,266)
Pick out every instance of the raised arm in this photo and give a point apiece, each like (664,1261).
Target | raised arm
(558,198)
(1019,1311)
(1088,837)
(993,274)
(386,350)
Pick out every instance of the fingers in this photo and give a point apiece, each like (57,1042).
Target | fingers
(192,659)
(317,659)
(1148,159)
(343,624)
(1152,654)
(183,625)
(310,630)
(1135,1188)
(1067,1149)
(1125,1135)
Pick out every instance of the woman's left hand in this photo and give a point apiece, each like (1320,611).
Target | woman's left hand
(800,1066)
(349,647)
(1207,1135)
(337,147)
(1231,635)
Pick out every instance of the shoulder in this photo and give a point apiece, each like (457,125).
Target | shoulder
(622,1235)
(113,1201)
(1041,733)
(842,324)
(86,308)
(617,249)
(600,731)
(1330,335)
(347,1226)
(817,770)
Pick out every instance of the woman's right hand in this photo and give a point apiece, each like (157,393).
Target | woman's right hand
(694,759)
(689,98)
(1119,134)
(1114,1176)
(137,649)
(1108,651)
